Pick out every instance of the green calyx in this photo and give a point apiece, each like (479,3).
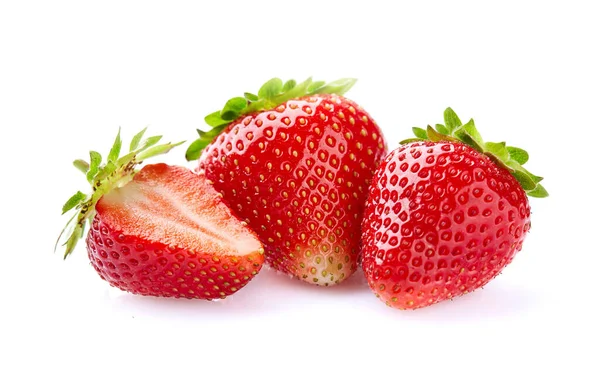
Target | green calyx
(273,93)
(115,172)
(509,157)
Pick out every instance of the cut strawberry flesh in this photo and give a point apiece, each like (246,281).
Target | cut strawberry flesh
(173,206)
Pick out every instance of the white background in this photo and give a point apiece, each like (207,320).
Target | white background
(73,72)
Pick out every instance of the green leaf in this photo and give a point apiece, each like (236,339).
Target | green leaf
(214,119)
(230,115)
(470,128)
(464,136)
(259,105)
(150,141)
(515,165)
(135,141)
(451,119)
(73,201)
(339,87)
(126,159)
(233,107)
(498,149)
(103,173)
(314,86)
(511,165)
(271,88)
(508,157)
(420,133)
(442,129)
(433,135)
(538,192)
(195,149)
(95,160)
(82,165)
(75,215)
(157,150)
(113,155)
(299,90)
(519,155)
(251,97)
(289,85)
(274,92)
(73,239)
(524,179)
(535,178)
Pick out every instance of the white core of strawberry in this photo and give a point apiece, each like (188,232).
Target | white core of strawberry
(175,218)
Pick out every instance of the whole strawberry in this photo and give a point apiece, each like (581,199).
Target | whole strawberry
(446,213)
(295,162)
(162,230)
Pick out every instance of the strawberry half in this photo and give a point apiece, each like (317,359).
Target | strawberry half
(160,231)
(446,213)
(295,163)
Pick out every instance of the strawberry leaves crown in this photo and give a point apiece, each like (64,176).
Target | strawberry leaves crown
(115,172)
(271,94)
(508,157)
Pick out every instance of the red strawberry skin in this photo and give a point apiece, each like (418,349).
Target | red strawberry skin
(298,175)
(441,220)
(167,233)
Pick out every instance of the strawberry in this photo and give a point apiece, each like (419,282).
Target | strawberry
(160,231)
(295,163)
(445,214)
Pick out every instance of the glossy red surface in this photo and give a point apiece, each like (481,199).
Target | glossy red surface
(441,220)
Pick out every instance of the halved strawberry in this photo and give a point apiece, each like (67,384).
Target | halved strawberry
(446,213)
(162,231)
(295,162)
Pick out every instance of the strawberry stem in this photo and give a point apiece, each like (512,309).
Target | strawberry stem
(272,93)
(103,178)
(508,157)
